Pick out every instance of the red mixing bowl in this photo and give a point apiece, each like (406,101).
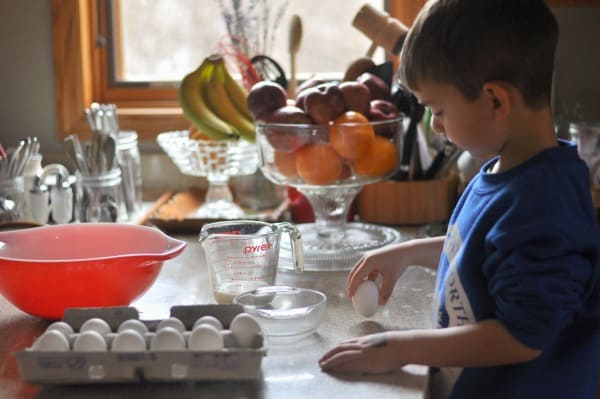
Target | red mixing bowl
(45,270)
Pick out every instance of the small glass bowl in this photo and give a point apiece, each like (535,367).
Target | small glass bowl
(284,312)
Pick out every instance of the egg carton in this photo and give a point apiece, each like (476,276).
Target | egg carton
(85,358)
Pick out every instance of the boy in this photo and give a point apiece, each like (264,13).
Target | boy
(517,293)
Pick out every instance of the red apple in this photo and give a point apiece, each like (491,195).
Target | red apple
(377,86)
(264,98)
(356,96)
(286,138)
(324,103)
(307,84)
(300,97)
(382,110)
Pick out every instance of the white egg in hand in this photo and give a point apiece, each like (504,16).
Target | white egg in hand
(366,298)
(205,338)
(50,341)
(128,340)
(210,320)
(89,341)
(244,328)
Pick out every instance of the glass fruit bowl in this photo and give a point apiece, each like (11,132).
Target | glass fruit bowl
(216,161)
(330,164)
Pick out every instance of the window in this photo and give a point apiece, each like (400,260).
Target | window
(81,59)
(158,42)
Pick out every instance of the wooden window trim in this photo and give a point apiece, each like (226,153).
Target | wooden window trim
(79,79)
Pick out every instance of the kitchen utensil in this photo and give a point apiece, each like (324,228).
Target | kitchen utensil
(385,71)
(76,154)
(109,148)
(284,313)
(408,104)
(244,255)
(81,265)
(295,38)
(269,69)
(381,28)
(16,158)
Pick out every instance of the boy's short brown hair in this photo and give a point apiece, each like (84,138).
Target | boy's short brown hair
(467,43)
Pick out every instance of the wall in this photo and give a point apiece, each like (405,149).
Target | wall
(27,91)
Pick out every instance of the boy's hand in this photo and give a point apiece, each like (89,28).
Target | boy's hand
(372,264)
(369,354)
(391,261)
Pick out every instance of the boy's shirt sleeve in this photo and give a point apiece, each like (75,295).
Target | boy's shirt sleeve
(539,276)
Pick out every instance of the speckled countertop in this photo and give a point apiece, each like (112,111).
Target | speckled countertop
(289,370)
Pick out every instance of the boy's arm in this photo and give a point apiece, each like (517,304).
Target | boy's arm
(390,262)
(487,343)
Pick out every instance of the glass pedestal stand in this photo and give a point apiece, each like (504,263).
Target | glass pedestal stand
(216,161)
(331,243)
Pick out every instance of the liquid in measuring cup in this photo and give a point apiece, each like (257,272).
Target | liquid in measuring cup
(243,255)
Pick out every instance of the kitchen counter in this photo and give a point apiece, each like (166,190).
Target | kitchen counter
(290,370)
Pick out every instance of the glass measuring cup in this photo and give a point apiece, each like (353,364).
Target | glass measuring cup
(243,255)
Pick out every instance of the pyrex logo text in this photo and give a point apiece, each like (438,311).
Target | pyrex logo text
(248,249)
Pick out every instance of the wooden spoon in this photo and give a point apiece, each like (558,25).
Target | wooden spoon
(293,46)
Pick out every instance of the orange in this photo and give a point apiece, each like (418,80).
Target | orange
(381,159)
(318,163)
(286,163)
(351,135)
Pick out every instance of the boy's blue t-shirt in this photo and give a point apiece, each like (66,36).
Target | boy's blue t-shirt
(523,247)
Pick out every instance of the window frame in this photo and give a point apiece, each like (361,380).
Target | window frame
(80,71)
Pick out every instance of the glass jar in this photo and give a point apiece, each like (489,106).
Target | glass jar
(587,137)
(100,197)
(129,161)
(12,199)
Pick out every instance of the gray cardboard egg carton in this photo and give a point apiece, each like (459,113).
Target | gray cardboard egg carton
(231,363)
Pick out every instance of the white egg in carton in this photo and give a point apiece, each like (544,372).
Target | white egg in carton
(107,345)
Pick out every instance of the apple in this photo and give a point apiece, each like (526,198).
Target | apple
(307,84)
(285,138)
(382,110)
(300,97)
(288,114)
(264,98)
(302,90)
(356,96)
(377,86)
(324,103)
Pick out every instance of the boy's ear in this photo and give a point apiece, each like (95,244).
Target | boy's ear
(498,99)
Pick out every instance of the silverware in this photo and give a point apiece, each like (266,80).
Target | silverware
(109,148)
(15,158)
(75,153)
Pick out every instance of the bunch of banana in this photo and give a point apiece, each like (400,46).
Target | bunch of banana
(215,103)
